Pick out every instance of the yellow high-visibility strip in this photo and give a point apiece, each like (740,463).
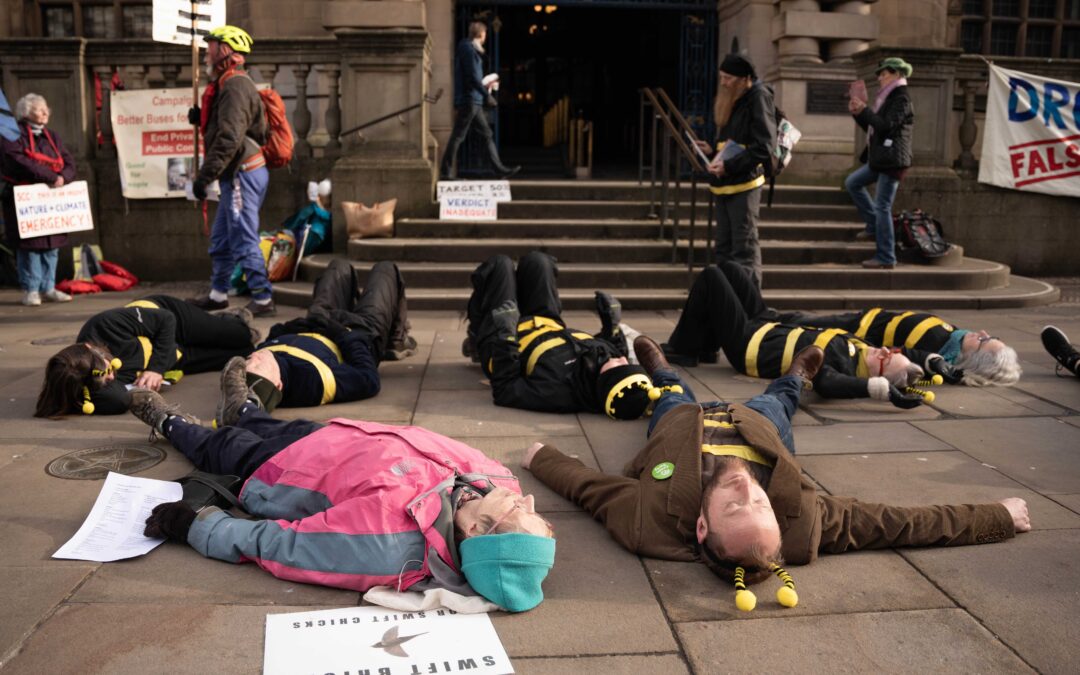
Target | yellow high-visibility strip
(862,368)
(789,349)
(329,384)
(741,451)
(717,423)
(890,330)
(146,304)
(754,345)
(148,351)
(920,330)
(735,189)
(528,339)
(582,336)
(329,344)
(826,337)
(539,351)
(864,325)
(536,322)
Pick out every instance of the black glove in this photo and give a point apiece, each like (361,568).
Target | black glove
(198,189)
(903,400)
(170,521)
(504,320)
(490,102)
(194,115)
(938,364)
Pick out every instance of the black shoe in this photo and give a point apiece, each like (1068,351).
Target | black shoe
(610,312)
(708,357)
(205,303)
(258,309)
(1057,344)
(684,360)
(509,171)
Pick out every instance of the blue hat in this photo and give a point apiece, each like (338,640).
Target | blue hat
(508,569)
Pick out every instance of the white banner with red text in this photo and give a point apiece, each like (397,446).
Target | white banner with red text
(153,141)
(42,210)
(1032,137)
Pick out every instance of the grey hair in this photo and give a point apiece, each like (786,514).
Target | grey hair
(982,367)
(27,103)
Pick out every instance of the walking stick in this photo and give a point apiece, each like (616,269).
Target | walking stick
(195,102)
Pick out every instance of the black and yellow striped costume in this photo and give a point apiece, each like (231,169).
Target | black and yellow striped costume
(315,370)
(889,328)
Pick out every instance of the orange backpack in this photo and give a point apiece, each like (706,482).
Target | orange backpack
(278,149)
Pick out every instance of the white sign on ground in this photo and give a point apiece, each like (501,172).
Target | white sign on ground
(498,190)
(1032,136)
(172,20)
(42,210)
(114,528)
(382,641)
(468,208)
(153,141)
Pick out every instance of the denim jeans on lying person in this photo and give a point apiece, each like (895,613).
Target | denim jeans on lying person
(778,403)
(876,212)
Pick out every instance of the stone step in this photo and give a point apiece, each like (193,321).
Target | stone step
(633,210)
(1021,292)
(624,251)
(607,229)
(613,190)
(970,274)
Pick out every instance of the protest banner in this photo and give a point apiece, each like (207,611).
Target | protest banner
(1031,139)
(172,20)
(42,210)
(384,641)
(498,190)
(153,141)
(468,208)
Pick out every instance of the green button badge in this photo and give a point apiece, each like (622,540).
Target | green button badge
(663,470)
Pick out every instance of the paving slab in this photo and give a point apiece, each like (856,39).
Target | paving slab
(615,442)
(1040,452)
(597,600)
(864,410)
(865,581)
(1075,421)
(1042,382)
(1025,594)
(911,479)
(29,594)
(669,664)
(929,641)
(863,438)
(473,413)
(1071,502)
(990,402)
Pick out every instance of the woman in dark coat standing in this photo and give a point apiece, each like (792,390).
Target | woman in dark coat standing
(886,158)
(746,120)
(38,156)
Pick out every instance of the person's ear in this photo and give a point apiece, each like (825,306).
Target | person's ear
(702,529)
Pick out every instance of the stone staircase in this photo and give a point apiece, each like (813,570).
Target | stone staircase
(604,238)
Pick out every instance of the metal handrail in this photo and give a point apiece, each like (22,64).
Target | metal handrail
(428,98)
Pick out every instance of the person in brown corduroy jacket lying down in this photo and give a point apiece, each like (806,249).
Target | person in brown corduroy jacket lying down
(718,483)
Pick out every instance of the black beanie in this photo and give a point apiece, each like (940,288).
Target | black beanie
(624,392)
(739,66)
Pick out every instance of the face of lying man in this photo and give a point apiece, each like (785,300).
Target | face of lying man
(737,516)
(980,341)
(883,362)
(500,511)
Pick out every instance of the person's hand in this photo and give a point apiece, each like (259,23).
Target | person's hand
(903,400)
(1019,511)
(949,373)
(171,521)
(194,115)
(59,182)
(526,461)
(855,106)
(716,167)
(198,188)
(704,146)
(149,380)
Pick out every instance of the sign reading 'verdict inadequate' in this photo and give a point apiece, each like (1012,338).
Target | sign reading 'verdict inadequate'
(471,199)
(383,642)
(42,210)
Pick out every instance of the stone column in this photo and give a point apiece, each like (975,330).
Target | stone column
(845,48)
(795,45)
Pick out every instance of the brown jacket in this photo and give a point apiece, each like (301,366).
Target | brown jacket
(235,129)
(657,518)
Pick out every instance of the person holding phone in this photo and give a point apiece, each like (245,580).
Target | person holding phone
(888,124)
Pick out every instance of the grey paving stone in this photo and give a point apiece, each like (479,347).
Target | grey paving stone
(1038,452)
(1069,501)
(1041,381)
(597,600)
(990,402)
(869,437)
(865,410)
(455,374)
(1026,594)
(1075,421)
(473,413)
(931,641)
(615,442)
(865,581)
(914,479)
(669,664)
(28,594)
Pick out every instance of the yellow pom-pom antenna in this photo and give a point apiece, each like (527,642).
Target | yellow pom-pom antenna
(656,392)
(87,406)
(786,596)
(744,599)
(115,363)
(927,396)
(932,382)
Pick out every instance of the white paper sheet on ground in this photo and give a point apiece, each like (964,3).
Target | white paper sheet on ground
(114,528)
(373,639)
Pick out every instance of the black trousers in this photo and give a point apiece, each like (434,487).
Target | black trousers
(722,302)
(737,233)
(240,449)
(533,286)
(466,117)
(206,340)
(379,310)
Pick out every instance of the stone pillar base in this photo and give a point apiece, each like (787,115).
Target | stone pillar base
(376,179)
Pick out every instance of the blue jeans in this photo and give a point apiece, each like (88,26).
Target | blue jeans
(234,238)
(777,404)
(876,213)
(37,269)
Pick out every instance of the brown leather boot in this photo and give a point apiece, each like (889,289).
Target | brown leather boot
(807,363)
(649,354)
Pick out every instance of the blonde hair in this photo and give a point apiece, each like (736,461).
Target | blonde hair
(725,101)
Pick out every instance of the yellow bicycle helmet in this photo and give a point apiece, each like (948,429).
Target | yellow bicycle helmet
(237,38)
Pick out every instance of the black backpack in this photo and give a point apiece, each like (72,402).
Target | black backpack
(917,229)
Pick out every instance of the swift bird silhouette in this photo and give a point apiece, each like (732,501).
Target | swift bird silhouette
(391,643)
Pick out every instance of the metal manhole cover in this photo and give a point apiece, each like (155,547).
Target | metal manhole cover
(63,340)
(96,463)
